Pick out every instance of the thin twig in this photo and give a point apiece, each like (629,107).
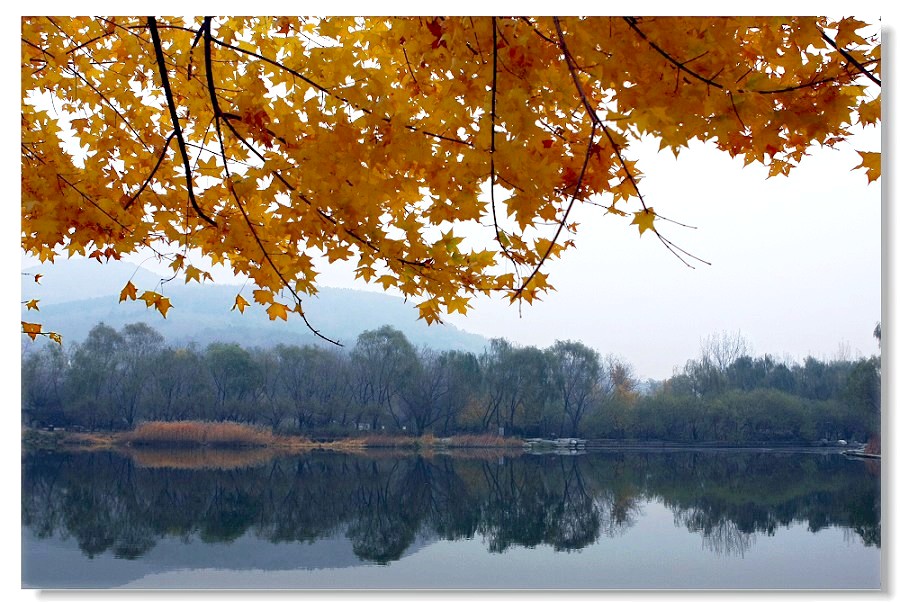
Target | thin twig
(409,67)
(596,120)
(88,198)
(565,217)
(632,22)
(159,161)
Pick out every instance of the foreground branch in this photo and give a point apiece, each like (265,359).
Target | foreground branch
(170,100)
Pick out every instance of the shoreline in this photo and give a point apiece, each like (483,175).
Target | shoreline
(36,439)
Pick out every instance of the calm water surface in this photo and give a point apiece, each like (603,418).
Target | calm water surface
(482,520)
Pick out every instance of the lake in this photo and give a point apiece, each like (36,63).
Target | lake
(476,519)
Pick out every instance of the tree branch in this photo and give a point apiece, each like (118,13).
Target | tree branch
(162,156)
(170,100)
(206,29)
(562,222)
(592,113)
(493,141)
(632,22)
(849,57)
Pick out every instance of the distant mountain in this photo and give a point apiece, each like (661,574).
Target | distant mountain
(76,295)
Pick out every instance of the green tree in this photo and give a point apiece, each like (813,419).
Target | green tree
(236,379)
(575,372)
(95,376)
(141,345)
(180,386)
(863,390)
(384,360)
(43,385)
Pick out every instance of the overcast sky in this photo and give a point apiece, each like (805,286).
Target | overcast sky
(795,265)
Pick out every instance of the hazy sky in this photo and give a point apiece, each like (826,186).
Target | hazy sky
(795,265)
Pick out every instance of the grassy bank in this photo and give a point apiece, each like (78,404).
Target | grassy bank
(232,435)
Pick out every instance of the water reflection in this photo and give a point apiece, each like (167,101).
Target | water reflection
(383,504)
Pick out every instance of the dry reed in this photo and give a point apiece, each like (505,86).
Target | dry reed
(196,433)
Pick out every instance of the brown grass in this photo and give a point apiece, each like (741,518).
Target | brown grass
(87,440)
(196,433)
(385,441)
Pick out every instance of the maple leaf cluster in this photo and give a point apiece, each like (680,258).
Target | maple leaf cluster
(271,144)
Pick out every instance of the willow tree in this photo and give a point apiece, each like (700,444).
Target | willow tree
(272,144)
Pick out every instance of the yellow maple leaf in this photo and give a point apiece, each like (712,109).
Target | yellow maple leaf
(871,162)
(429,310)
(128,292)
(277,310)
(56,337)
(32,305)
(263,296)
(644,220)
(162,305)
(387,281)
(870,112)
(37,278)
(365,272)
(31,329)
(150,298)
(240,304)
(458,304)
(192,273)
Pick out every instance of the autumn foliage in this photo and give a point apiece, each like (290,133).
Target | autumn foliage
(442,155)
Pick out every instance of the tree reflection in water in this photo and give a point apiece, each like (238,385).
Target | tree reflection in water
(107,503)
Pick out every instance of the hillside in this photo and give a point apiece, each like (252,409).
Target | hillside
(76,295)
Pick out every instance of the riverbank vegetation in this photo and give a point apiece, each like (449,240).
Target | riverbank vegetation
(383,388)
(196,433)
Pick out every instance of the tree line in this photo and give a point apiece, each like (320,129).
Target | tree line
(115,379)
